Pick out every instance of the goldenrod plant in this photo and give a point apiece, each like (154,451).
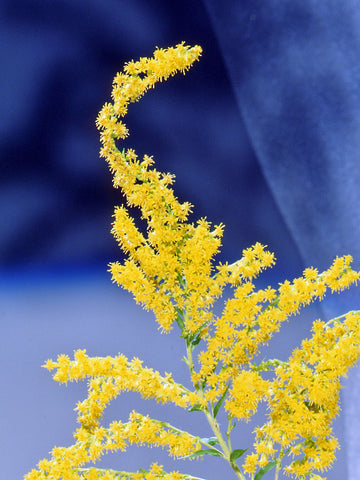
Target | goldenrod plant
(170,270)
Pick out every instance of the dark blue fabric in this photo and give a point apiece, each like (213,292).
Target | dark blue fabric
(294,67)
(58,60)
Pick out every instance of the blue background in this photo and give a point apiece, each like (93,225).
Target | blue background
(263,134)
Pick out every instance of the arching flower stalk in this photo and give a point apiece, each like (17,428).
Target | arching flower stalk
(170,269)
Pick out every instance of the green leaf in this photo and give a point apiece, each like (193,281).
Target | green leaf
(196,340)
(235,454)
(196,408)
(179,311)
(180,322)
(232,426)
(181,280)
(264,470)
(220,402)
(210,440)
(206,451)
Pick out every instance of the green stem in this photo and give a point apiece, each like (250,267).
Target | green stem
(212,421)
(227,451)
(278,468)
(228,431)
(190,361)
(333,320)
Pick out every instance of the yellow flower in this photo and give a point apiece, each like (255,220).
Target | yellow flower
(247,390)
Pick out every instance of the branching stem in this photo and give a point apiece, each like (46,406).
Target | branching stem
(226,448)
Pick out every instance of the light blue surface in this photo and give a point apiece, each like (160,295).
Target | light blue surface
(45,315)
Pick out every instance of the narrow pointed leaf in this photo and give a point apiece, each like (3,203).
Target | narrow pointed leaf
(206,451)
(179,311)
(264,470)
(180,322)
(195,341)
(220,402)
(235,454)
(195,408)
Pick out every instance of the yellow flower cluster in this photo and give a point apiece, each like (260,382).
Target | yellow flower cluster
(251,317)
(63,467)
(170,270)
(67,462)
(156,472)
(109,376)
(303,398)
